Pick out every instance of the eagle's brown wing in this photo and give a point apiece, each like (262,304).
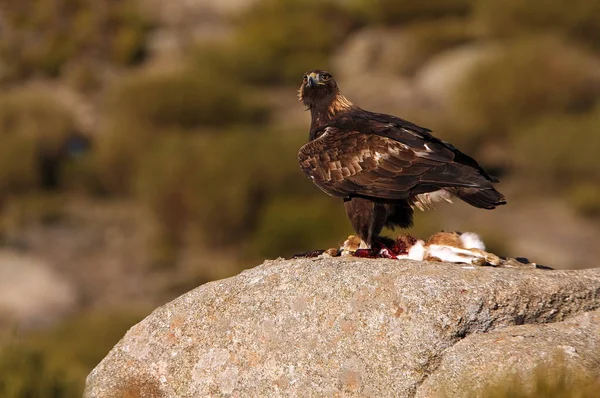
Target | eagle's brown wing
(351,163)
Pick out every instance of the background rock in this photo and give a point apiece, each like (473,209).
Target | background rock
(370,52)
(439,80)
(321,327)
(31,292)
(184,22)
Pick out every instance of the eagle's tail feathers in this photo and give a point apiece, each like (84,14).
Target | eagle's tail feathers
(486,198)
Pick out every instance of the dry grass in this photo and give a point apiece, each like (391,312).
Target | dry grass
(553,379)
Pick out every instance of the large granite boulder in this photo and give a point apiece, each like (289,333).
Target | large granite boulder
(352,327)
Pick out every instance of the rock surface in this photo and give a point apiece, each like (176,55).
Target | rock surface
(349,327)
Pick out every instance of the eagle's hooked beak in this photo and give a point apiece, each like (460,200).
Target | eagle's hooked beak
(313,80)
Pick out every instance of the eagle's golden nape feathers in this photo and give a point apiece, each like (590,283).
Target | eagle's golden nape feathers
(383,166)
(339,104)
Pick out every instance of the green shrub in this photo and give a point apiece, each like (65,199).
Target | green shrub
(215,184)
(585,198)
(34,129)
(577,19)
(54,363)
(37,116)
(116,155)
(18,171)
(425,39)
(28,372)
(43,36)
(291,226)
(560,153)
(560,149)
(529,79)
(401,11)
(278,40)
(32,209)
(184,99)
(79,175)
(165,184)
(143,108)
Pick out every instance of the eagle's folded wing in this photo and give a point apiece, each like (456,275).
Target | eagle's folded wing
(345,163)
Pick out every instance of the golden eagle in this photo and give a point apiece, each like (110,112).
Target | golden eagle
(381,165)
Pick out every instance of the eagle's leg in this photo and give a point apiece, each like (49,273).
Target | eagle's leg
(367,218)
(360,214)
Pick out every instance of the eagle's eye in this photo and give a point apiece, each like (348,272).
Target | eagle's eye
(325,77)
(304,79)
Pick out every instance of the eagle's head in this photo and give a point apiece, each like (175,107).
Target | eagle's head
(320,91)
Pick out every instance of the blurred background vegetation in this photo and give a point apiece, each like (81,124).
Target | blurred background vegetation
(149,147)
